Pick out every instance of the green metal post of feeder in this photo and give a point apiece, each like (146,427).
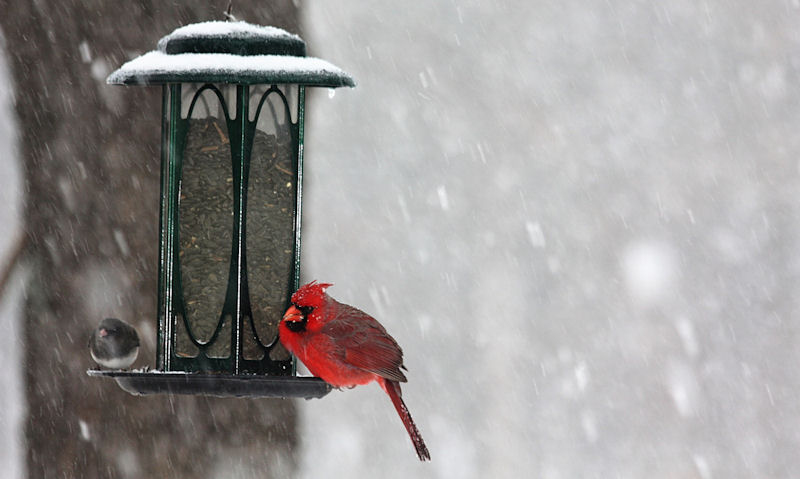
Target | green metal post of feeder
(233,106)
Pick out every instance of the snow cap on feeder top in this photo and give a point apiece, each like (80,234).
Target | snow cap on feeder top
(230,52)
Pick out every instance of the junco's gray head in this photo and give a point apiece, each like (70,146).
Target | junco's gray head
(114,344)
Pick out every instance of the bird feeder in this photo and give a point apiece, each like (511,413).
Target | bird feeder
(233,98)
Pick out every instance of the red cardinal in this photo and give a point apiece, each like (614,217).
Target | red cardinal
(346,347)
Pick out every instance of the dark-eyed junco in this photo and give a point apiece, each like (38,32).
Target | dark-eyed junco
(114,344)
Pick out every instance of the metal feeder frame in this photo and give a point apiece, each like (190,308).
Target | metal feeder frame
(244,56)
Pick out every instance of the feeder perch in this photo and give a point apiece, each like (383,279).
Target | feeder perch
(233,103)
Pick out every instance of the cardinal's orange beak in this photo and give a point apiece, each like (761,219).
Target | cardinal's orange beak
(293,314)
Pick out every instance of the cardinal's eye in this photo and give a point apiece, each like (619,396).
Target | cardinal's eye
(306,310)
(296,326)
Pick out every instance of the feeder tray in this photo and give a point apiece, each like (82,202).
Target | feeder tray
(219,385)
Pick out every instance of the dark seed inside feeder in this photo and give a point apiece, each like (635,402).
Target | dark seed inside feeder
(206,223)
(269,234)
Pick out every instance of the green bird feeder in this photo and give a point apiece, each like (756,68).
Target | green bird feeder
(231,185)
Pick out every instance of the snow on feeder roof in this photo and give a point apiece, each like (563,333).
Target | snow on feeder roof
(230,52)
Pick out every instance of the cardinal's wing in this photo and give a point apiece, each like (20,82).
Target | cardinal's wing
(366,343)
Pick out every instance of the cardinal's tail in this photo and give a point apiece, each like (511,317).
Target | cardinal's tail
(392,388)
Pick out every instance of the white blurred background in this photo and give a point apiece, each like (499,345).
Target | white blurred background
(579,219)
(11,389)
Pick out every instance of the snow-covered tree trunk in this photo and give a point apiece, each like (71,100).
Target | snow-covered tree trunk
(91,166)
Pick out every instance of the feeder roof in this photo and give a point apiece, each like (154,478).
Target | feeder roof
(230,52)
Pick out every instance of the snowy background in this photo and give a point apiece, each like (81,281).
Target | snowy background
(579,219)
(11,389)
